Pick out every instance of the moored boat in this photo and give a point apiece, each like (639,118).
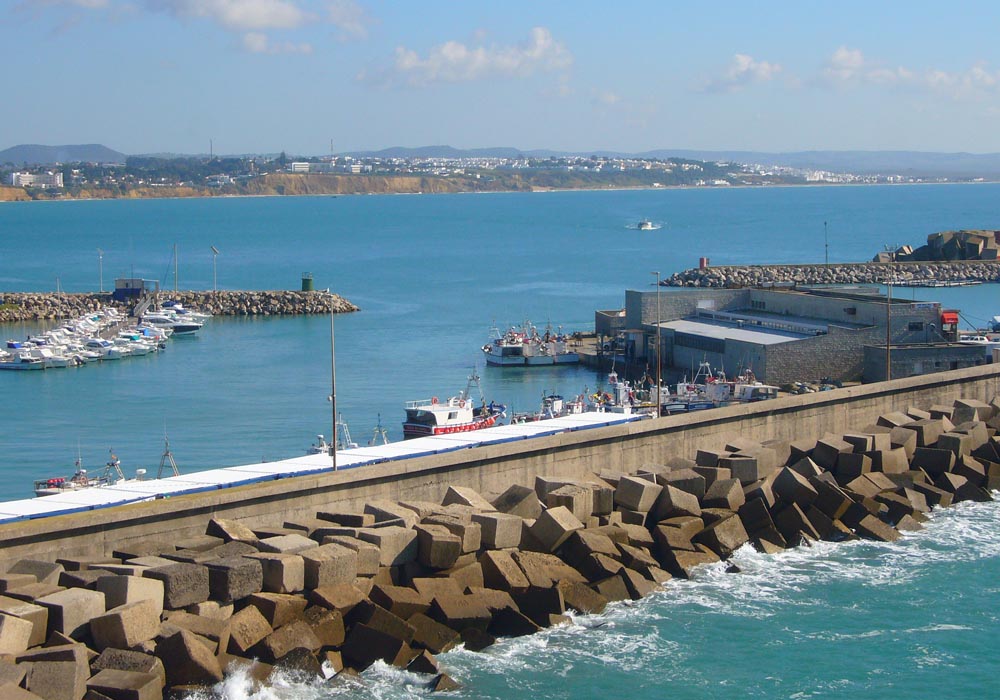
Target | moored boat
(457,414)
(526,347)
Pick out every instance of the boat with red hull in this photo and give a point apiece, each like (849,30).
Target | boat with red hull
(457,414)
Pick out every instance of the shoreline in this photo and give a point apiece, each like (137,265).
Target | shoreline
(532,190)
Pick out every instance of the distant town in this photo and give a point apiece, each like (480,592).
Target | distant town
(152,176)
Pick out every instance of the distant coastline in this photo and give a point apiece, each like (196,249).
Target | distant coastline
(296,185)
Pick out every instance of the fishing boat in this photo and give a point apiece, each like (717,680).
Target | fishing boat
(457,414)
(553,406)
(526,347)
(645,225)
(81,479)
(344,442)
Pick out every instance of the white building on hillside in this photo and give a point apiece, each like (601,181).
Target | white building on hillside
(49,179)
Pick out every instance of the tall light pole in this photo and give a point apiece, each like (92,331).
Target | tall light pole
(658,343)
(100,267)
(333,388)
(888,319)
(826,246)
(215,277)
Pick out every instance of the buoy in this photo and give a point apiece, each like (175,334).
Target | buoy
(434,400)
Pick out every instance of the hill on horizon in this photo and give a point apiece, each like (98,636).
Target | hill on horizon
(35,154)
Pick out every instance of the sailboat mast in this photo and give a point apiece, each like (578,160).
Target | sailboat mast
(175,268)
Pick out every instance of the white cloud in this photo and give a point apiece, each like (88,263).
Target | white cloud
(257,42)
(743,70)
(237,15)
(849,67)
(349,17)
(454,62)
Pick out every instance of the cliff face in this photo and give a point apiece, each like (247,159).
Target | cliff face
(13,194)
(319,184)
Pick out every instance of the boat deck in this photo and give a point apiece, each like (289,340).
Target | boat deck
(226,477)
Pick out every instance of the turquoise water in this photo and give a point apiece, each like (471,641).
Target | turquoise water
(431,273)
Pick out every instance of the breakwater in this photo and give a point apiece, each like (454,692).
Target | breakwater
(36,306)
(732,276)
(401,581)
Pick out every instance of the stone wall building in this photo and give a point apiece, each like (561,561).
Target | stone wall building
(783,334)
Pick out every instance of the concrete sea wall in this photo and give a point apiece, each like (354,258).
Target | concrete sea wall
(399,576)
(35,306)
(839,273)
(491,469)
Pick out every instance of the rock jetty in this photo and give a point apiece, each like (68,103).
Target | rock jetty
(32,306)
(402,582)
(736,276)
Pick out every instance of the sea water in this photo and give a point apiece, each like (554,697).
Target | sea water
(431,274)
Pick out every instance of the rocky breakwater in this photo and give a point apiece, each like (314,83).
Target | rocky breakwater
(402,582)
(736,276)
(263,303)
(37,306)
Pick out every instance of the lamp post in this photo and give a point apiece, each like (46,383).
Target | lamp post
(888,319)
(826,246)
(100,267)
(215,277)
(658,344)
(333,388)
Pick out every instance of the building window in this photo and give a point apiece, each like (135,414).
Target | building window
(916,326)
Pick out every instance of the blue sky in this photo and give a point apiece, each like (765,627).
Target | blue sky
(146,76)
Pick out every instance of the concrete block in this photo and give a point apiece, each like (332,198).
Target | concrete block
(469,533)
(850,466)
(341,597)
(806,467)
(466,497)
(281,572)
(213,630)
(712,474)
(71,610)
(437,548)
(553,527)
(368,553)
(365,645)
(827,450)
(134,661)
(792,487)
(126,685)
(399,600)
(959,444)
(37,615)
(386,511)
(971,410)
(56,680)
(286,639)
(725,493)
(212,609)
(685,479)
(871,528)
(234,578)
(288,544)
(329,564)
(187,661)
(545,570)
(932,460)
(904,438)
(673,502)
(578,499)
(230,531)
(125,626)
(971,469)
(927,430)
(709,458)
(745,469)
(80,579)
(636,494)
(43,571)
(432,635)
(9,581)
(347,519)
(183,584)
(327,625)
(502,573)
(724,536)
(15,634)
(539,604)
(397,545)
(755,517)
(792,523)
(278,608)
(681,563)
(520,501)
(498,530)
(861,442)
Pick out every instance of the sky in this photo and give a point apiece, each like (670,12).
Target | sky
(262,76)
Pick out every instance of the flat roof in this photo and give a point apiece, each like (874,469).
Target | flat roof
(727,332)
